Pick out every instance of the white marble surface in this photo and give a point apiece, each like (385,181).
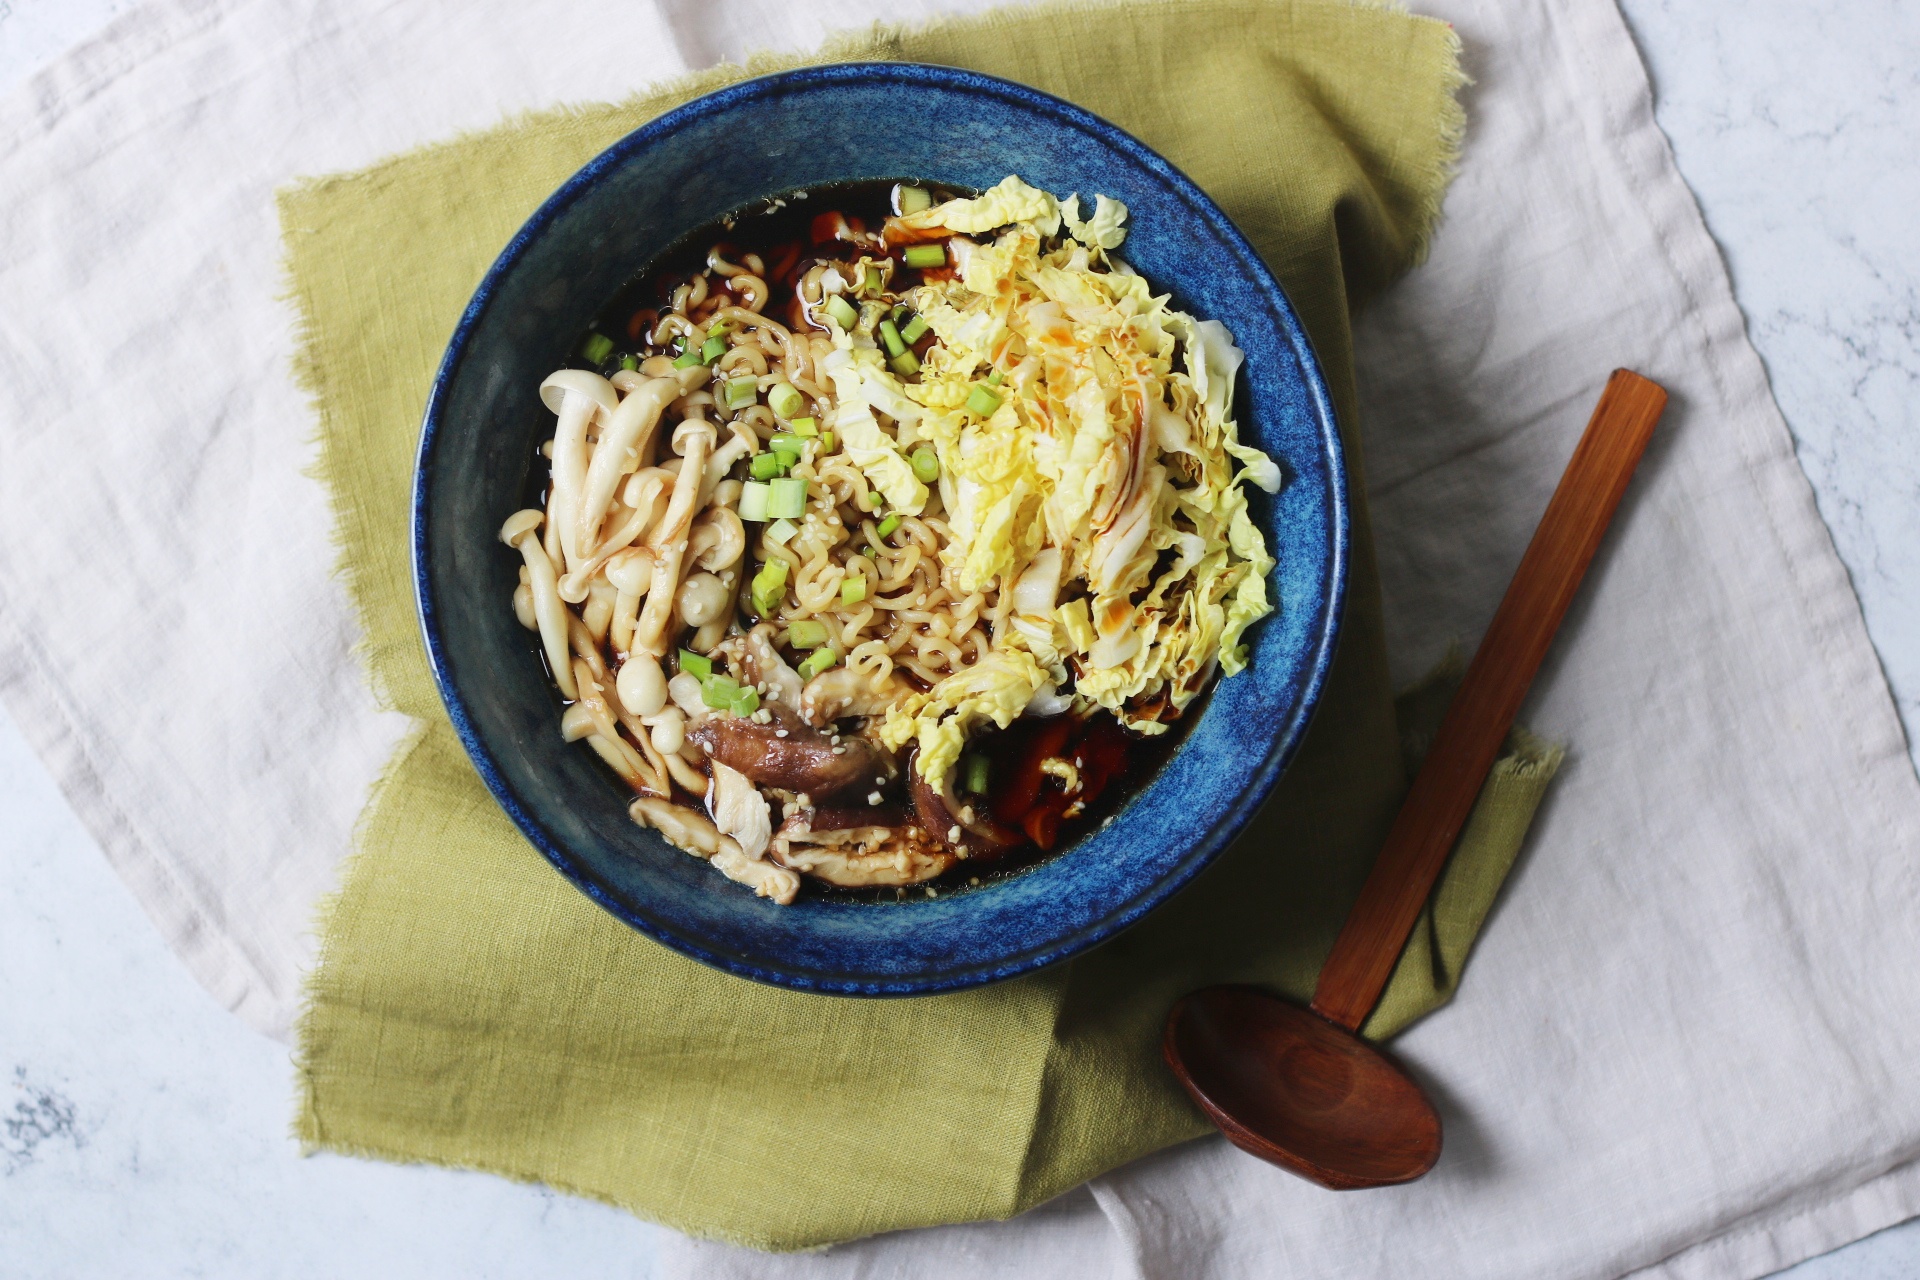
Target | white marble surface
(143,1130)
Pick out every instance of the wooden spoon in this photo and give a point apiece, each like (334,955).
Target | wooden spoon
(1299,1087)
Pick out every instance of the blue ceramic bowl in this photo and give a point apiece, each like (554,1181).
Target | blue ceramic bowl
(484,420)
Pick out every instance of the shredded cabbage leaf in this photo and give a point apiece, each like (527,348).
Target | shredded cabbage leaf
(1111,441)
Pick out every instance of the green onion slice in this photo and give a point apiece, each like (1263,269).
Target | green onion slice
(596,348)
(742,392)
(891,336)
(807,634)
(906,364)
(695,665)
(712,349)
(888,525)
(805,428)
(915,199)
(784,400)
(719,692)
(926,465)
(912,330)
(983,402)
(926,255)
(853,588)
(769,586)
(753,495)
(817,661)
(781,532)
(746,702)
(765,466)
(788,499)
(842,312)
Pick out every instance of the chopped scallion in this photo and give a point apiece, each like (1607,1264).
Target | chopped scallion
(784,400)
(915,199)
(888,525)
(806,428)
(696,665)
(766,466)
(807,634)
(630,362)
(993,379)
(753,496)
(926,465)
(826,441)
(853,588)
(841,312)
(781,532)
(687,359)
(746,702)
(719,692)
(977,766)
(817,661)
(890,334)
(596,348)
(788,501)
(785,442)
(906,364)
(741,392)
(926,255)
(769,586)
(712,349)
(983,402)
(913,328)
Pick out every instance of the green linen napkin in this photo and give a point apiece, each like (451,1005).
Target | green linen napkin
(471,1008)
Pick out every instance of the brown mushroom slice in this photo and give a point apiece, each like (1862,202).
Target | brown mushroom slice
(842,691)
(860,857)
(968,828)
(787,753)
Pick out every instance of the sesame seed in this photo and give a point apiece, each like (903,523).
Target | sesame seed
(873,797)
(932,892)
(839,751)
(966,813)
(973,879)
(779,733)
(953,835)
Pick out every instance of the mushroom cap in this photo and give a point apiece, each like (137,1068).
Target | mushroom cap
(690,427)
(553,392)
(519,525)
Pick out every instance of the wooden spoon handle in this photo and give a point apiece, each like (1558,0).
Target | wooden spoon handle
(1489,697)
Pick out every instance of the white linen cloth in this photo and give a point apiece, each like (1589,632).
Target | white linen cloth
(1684,1047)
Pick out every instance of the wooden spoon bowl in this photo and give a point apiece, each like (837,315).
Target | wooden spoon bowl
(1288,1086)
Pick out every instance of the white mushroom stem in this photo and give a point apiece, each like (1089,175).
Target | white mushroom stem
(626,441)
(653,771)
(575,396)
(668,542)
(549,612)
(631,573)
(648,489)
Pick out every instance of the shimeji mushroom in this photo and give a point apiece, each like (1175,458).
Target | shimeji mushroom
(742,445)
(576,396)
(644,496)
(626,442)
(694,438)
(548,609)
(631,573)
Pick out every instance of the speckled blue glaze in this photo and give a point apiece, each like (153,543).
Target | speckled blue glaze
(714,155)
